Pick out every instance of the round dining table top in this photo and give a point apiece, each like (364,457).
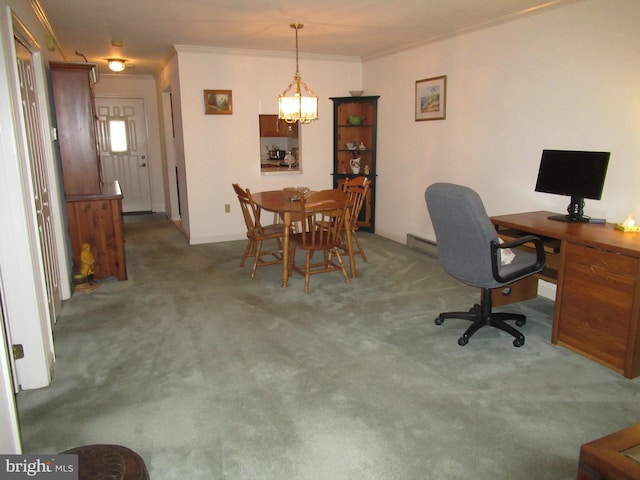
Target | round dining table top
(275,201)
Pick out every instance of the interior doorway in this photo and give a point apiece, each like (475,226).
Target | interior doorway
(172,201)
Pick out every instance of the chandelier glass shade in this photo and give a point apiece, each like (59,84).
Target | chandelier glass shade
(297,103)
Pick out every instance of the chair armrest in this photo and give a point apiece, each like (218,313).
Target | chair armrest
(527,269)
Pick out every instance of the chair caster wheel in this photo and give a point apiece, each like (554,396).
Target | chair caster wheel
(462,341)
(520,323)
(518,342)
(439,320)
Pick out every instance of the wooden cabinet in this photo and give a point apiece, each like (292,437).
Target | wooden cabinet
(355,123)
(272,126)
(595,308)
(94,208)
(97,220)
(75,122)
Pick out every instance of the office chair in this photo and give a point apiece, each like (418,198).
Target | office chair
(470,251)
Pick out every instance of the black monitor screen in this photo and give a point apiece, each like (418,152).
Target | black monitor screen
(573,173)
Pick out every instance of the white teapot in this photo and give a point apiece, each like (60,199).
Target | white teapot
(354,163)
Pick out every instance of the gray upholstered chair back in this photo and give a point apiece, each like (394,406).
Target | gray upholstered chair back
(463,233)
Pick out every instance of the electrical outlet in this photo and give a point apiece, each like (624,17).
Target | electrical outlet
(227,208)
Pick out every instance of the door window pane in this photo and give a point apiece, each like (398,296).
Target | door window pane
(118,136)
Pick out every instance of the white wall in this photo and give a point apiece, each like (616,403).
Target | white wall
(567,78)
(223,149)
(141,86)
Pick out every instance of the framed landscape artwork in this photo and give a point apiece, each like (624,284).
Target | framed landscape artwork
(431,98)
(218,102)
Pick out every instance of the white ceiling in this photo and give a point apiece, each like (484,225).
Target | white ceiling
(357,28)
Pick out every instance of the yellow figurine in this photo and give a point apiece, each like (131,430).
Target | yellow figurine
(87,262)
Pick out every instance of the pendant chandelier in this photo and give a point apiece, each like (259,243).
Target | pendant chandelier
(297,103)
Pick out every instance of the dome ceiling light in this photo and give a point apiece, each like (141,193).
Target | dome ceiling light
(116,64)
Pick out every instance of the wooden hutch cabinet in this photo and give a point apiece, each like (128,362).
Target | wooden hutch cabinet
(355,123)
(94,208)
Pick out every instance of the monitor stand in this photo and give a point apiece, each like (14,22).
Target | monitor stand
(575,212)
(569,219)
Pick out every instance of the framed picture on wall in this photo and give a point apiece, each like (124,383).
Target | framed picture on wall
(218,102)
(431,98)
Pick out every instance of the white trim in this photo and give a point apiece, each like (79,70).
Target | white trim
(199,49)
(10,442)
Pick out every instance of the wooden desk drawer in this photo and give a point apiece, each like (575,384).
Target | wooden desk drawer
(596,305)
(601,260)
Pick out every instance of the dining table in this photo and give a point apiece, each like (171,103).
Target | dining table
(279,201)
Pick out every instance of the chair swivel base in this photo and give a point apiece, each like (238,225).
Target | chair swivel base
(491,319)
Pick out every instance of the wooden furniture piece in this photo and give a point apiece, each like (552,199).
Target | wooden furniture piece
(75,118)
(363,138)
(272,126)
(97,220)
(357,190)
(597,272)
(325,215)
(257,233)
(613,457)
(94,208)
(113,462)
(276,201)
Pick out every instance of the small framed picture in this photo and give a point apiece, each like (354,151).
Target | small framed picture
(218,102)
(431,98)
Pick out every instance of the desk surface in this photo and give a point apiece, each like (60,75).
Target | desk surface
(604,236)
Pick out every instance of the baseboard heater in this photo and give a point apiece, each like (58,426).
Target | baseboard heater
(426,246)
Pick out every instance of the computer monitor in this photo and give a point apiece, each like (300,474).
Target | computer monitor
(576,174)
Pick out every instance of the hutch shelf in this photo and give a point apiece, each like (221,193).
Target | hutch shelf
(355,123)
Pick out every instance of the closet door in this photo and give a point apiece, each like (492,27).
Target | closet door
(35,135)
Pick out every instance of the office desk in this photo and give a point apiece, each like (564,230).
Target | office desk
(597,272)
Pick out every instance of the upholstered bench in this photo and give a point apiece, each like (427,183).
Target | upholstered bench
(109,462)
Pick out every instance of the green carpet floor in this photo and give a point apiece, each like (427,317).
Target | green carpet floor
(208,374)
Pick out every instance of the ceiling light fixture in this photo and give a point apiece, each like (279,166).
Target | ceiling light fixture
(296,104)
(116,64)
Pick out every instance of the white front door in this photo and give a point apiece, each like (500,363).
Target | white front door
(122,137)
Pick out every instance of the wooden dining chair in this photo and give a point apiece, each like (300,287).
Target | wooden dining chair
(257,233)
(278,218)
(357,189)
(324,214)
